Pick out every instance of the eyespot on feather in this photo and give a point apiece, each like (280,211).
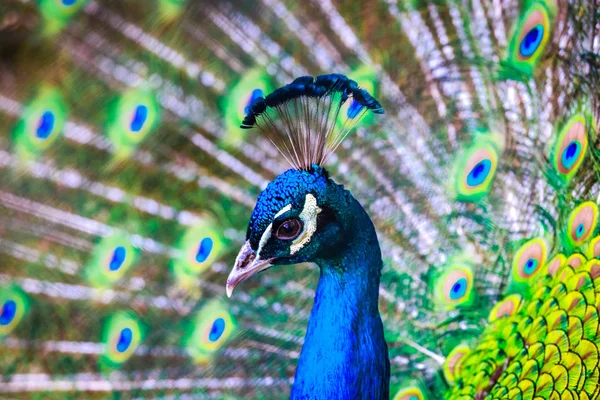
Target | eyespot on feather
(41,122)
(199,247)
(56,14)
(454,287)
(122,335)
(410,393)
(582,223)
(475,169)
(593,248)
(60,10)
(555,263)
(110,260)
(240,100)
(570,148)
(534,34)
(365,76)
(529,259)
(14,305)
(453,362)
(507,307)
(529,39)
(210,329)
(575,261)
(131,118)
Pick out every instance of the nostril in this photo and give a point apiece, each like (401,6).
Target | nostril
(248,260)
(245,257)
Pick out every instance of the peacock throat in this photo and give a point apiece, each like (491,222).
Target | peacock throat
(304,216)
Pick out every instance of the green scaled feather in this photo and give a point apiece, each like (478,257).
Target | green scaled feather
(453,362)
(551,341)
(592,248)
(412,390)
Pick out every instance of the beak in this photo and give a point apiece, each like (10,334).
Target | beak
(246,265)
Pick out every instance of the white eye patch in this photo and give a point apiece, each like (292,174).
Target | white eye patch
(309,217)
(267,233)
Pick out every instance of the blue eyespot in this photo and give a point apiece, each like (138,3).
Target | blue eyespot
(118,258)
(530,266)
(139,118)
(580,230)
(458,289)
(68,2)
(204,250)
(125,338)
(354,109)
(532,41)
(9,310)
(256,93)
(216,330)
(45,126)
(479,173)
(571,154)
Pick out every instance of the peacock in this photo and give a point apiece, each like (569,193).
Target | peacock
(416,181)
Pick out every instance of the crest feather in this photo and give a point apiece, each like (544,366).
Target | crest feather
(304,120)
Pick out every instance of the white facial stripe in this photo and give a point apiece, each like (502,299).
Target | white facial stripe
(264,239)
(267,233)
(309,218)
(283,210)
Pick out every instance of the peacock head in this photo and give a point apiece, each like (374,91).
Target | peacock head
(298,218)
(303,215)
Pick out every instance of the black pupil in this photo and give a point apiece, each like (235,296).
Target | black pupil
(288,227)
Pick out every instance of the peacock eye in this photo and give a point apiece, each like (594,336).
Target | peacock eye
(289,229)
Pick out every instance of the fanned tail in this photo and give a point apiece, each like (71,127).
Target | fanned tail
(125,184)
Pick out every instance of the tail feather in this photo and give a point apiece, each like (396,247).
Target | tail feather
(116,233)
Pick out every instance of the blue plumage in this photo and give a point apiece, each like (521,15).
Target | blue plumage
(284,190)
(304,216)
(344,355)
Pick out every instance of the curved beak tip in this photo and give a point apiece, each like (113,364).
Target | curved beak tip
(229,289)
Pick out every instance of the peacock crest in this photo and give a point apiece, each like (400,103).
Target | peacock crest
(306,121)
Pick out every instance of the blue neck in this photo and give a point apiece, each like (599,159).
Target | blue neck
(345,354)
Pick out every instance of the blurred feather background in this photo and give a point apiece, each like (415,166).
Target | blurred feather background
(126,183)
